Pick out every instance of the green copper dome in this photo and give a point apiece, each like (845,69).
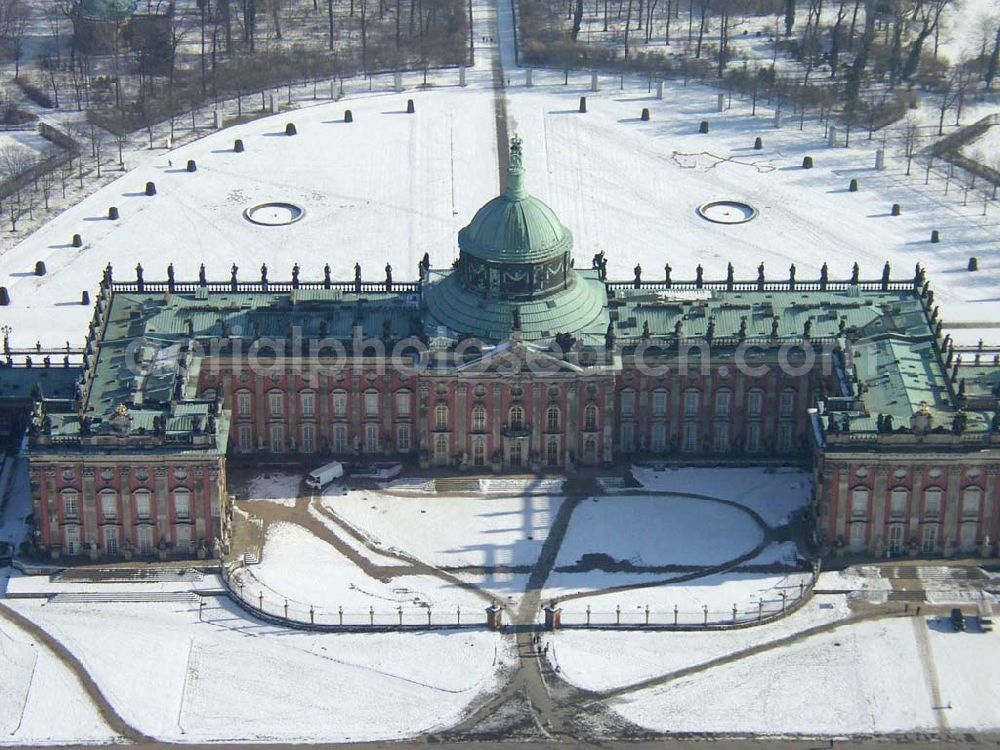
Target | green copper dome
(515,227)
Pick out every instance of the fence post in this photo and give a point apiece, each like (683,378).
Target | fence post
(312,616)
(647,614)
(705,608)
(286,609)
(428,615)
(784,597)
(371,615)
(618,614)
(588,614)
(340,615)
(260,601)
(399,609)
(801,589)
(675,615)
(760,610)
(734,614)
(458,615)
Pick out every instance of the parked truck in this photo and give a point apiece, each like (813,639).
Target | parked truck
(319,478)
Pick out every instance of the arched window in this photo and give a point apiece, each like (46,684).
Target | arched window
(339,403)
(182,503)
(70,503)
(755,402)
(307,403)
(143,504)
(590,418)
(932,502)
(479,453)
(859,502)
(552,452)
(971,497)
(371,403)
(441,416)
(109,505)
(590,450)
(403,401)
(441,448)
(552,419)
(516,417)
(898,500)
(479,418)
(659,403)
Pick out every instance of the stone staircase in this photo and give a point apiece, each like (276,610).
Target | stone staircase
(457,486)
(122,597)
(128,575)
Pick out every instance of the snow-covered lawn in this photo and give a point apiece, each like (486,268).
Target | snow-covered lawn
(233,679)
(453,531)
(658,531)
(604,659)
(967,666)
(774,494)
(307,571)
(861,678)
(753,594)
(862,581)
(278,487)
(41,701)
(392,186)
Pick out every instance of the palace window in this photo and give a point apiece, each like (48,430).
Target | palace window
(109,505)
(898,501)
(403,438)
(786,406)
(479,453)
(308,438)
(932,502)
(690,437)
(659,403)
(277,438)
(145,540)
(244,404)
(785,438)
(628,437)
(402,403)
(111,540)
(371,403)
(659,438)
(590,418)
(69,500)
(552,419)
(441,416)
(143,504)
(182,503)
(552,452)
(516,417)
(928,539)
(340,438)
(183,538)
(857,542)
(859,502)
(970,502)
(753,437)
(275,404)
(479,418)
(340,403)
(371,438)
(308,403)
(755,403)
(628,403)
(721,437)
(441,448)
(73,539)
(691,399)
(722,401)
(246,438)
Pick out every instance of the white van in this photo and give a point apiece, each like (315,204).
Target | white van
(325,474)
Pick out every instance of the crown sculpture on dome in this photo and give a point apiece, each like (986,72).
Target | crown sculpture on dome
(515,152)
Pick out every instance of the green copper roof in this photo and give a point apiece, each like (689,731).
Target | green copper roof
(581,308)
(110,10)
(515,227)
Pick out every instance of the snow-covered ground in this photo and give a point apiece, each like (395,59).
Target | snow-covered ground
(307,571)
(656,531)
(233,679)
(277,487)
(753,594)
(453,531)
(392,186)
(604,660)
(41,701)
(862,678)
(773,494)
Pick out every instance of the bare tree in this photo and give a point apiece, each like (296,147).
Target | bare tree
(911,139)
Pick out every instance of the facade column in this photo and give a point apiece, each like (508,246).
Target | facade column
(538,406)
(572,403)
(53,510)
(497,420)
(914,529)
(161,498)
(198,504)
(951,512)
(125,496)
(880,541)
(843,506)
(89,499)
(461,424)
(990,526)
